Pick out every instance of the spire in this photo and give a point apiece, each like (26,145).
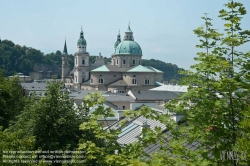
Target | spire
(129,30)
(65,47)
(81,34)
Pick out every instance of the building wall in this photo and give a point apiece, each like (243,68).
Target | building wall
(140,78)
(128,59)
(108,77)
(159,77)
(134,105)
(120,104)
(118,89)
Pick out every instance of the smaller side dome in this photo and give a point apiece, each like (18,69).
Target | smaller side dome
(81,40)
(118,41)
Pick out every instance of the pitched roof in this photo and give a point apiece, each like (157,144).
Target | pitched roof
(171,88)
(131,132)
(114,68)
(119,83)
(140,68)
(168,137)
(154,69)
(102,68)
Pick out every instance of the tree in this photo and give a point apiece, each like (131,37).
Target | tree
(56,123)
(12,101)
(215,106)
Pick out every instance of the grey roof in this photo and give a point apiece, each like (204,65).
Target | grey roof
(81,94)
(154,95)
(117,97)
(168,137)
(132,130)
(35,86)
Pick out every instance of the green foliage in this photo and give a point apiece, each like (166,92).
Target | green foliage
(55,124)
(102,147)
(14,59)
(12,100)
(218,103)
(13,141)
(170,70)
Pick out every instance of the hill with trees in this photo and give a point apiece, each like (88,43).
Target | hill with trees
(15,58)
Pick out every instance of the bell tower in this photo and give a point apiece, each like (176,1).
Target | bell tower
(81,61)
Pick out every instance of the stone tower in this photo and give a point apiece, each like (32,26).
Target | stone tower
(65,63)
(82,67)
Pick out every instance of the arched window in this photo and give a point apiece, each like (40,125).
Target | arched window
(147,81)
(100,81)
(83,61)
(134,81)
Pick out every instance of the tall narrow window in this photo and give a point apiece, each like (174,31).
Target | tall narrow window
(134,81)
(76,61)
(124,62)
(133,61)
(83,61)
(117,61)
(91,80)
(147,81)
(82,79)
(76,79)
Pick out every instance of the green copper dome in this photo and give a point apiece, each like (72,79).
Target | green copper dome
(81,40)
(128,47)
(117,43)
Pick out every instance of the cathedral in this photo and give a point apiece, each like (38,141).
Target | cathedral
(122,74)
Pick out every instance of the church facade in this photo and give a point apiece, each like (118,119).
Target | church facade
(122,74)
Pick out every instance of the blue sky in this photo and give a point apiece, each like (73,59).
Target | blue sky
(163,28)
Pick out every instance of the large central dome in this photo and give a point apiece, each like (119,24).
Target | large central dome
(128,47)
